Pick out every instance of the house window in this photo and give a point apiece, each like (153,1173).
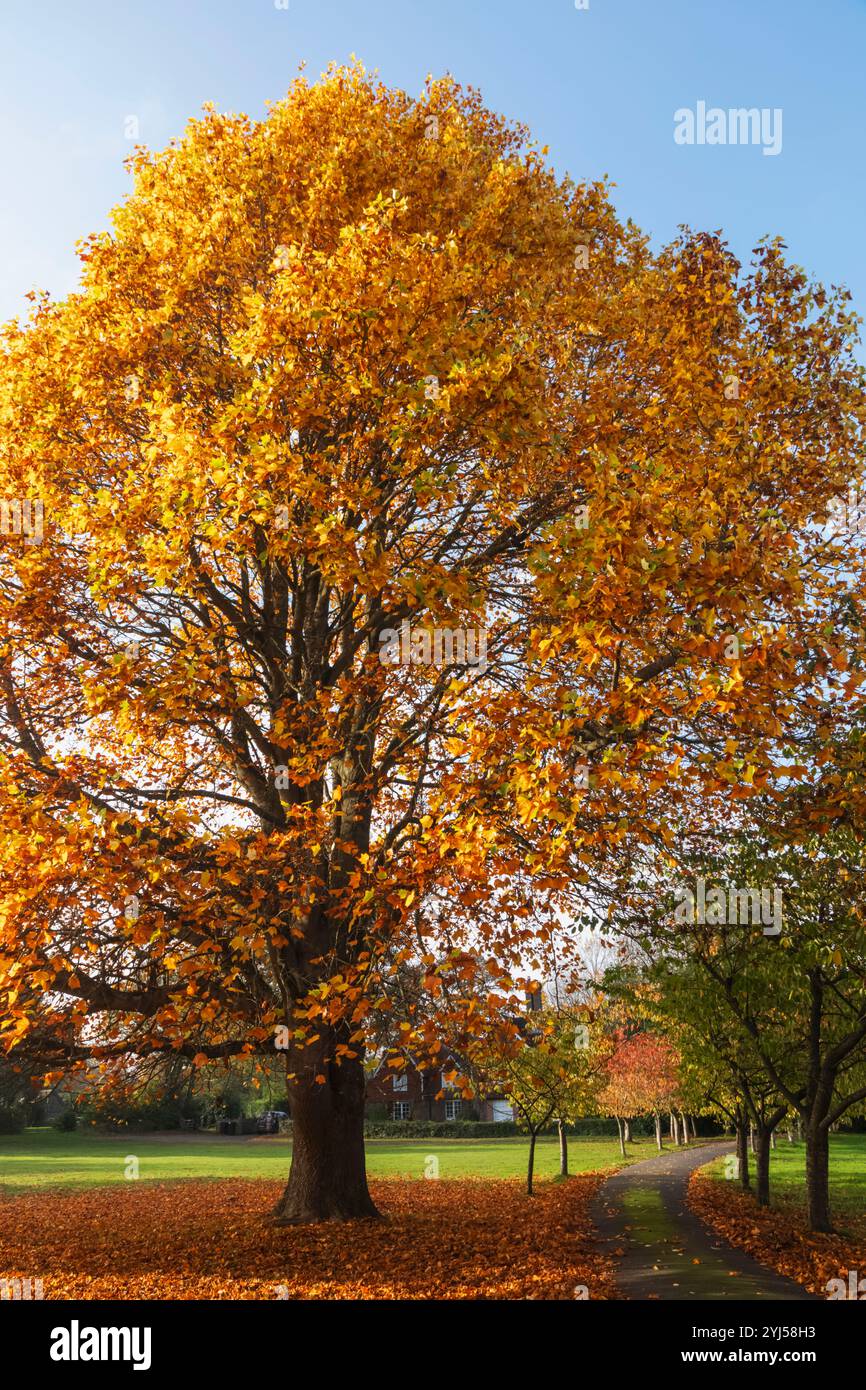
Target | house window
(453,1108)
(401,1082)
(402,1110)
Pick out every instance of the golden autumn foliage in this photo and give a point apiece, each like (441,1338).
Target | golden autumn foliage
(361,368)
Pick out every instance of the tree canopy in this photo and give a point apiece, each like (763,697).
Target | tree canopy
(365,367)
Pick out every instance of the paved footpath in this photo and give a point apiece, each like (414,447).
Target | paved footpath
(662,1250)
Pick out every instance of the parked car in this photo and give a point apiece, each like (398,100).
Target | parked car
(269,1122)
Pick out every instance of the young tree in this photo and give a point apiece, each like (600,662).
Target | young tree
(336,382)
(655,1061)
(552,1068)
(583,1049)
(641,1080)
(618,1099)
(533,1080)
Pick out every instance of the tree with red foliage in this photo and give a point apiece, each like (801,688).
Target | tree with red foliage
(642,1080)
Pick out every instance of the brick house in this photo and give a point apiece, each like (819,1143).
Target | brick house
(412,1095)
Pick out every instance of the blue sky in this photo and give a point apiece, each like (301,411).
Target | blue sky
(599,86)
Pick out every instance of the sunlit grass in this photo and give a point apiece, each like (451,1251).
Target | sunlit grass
(847,1178)
(46,1157)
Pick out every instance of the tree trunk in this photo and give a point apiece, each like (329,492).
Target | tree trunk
(743,1155)
(762,1166)
(627,1127)
(751,1136)
(619,1130)
(659,1133)
(563,1149)
(818,1178)
(531,1164)
(328,1177)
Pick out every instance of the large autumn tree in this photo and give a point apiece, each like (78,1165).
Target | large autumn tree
(365,363)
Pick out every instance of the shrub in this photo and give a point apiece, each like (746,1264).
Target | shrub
(11,1119)
(140,1115)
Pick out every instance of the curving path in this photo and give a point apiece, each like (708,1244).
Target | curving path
(663,1250)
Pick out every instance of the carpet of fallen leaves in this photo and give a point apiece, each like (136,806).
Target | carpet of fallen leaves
(211,1240)
(779,1237)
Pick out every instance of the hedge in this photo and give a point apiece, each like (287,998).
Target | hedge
(490,1129)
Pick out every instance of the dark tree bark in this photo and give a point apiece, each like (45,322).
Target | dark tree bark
(762,1165)
(328,1176)
(818,1177)
(743,1153)
(563,1149)
(530,1168)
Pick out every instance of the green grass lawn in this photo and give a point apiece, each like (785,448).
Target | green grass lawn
(847,1177)
(45,1157)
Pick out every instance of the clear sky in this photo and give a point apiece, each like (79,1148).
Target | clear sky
(600,86)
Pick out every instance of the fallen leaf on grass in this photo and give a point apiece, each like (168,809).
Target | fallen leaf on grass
(778,1237)
(211,1240)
